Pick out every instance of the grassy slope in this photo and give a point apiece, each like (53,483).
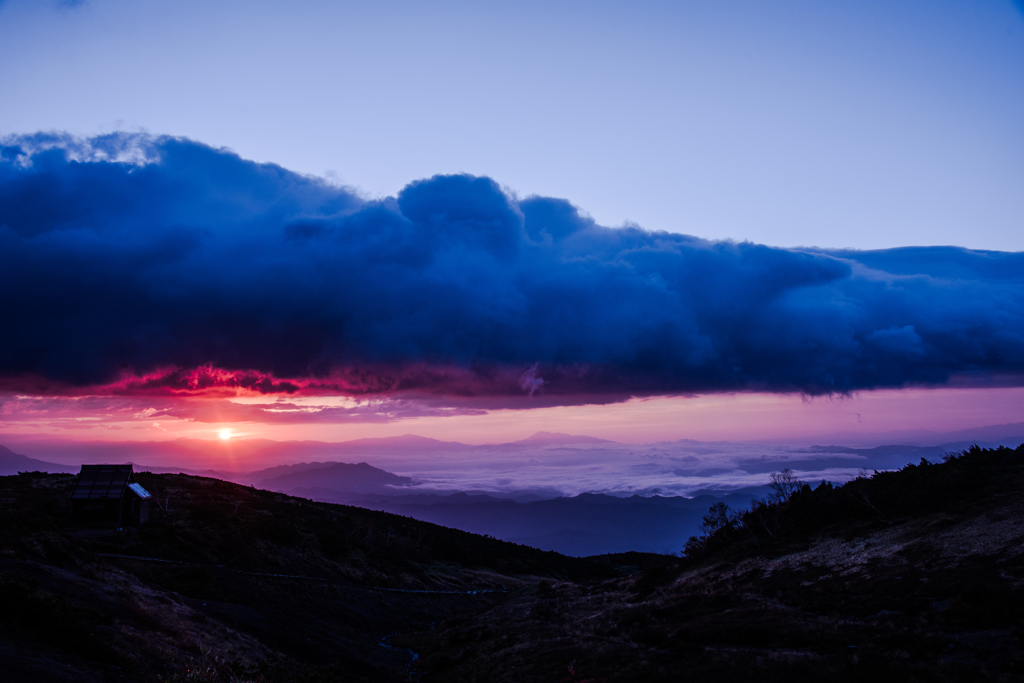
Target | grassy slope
(909,575)
(67,612)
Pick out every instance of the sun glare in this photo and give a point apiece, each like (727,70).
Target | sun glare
(225,434)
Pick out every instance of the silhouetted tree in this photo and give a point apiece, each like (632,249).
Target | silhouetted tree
(784,484)
(716,518)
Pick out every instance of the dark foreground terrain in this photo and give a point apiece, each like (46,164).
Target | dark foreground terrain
(230,583)
(914,575)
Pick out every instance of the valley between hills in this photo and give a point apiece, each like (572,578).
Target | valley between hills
(916,574)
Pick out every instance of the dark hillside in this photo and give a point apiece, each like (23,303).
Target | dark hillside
(915,575)
(227,582)
(964,484)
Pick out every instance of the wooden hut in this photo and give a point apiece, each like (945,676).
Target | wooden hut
(109,495)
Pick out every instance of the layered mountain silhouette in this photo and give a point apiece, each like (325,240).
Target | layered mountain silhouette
(331,476)
(550,438)
(578,525)
(12,463)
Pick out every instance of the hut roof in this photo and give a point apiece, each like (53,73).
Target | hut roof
(103,481)
(139,491)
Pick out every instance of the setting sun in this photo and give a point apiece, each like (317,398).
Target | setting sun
(225,434)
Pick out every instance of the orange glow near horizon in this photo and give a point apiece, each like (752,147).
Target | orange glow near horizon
(717,417)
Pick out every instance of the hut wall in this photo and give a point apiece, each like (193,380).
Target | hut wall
(98,512)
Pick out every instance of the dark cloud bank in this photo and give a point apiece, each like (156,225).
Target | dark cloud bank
(147,258)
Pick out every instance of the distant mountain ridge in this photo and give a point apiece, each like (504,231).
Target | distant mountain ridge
(551,438)
(338,476)
(991,433)
(12,463)
(240,458)
(586,524)
(222,456)
(403,442)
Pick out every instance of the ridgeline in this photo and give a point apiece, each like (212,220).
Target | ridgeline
(916,574)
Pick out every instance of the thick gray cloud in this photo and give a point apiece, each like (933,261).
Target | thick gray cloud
(129,254)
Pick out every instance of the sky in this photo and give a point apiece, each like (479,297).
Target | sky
(472,221)
(792,123)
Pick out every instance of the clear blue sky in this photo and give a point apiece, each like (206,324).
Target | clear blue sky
(864,124)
